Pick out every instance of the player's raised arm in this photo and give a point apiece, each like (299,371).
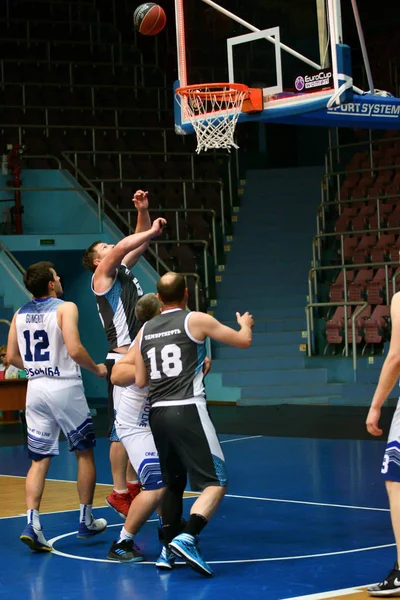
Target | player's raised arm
(141,202)
(107,266)
(13,354)
(67,318)
(141,374)
(202,325)
(123,372)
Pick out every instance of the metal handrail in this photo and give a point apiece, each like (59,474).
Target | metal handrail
(103,109)
(184,210)
(191,242)
(47,156)
(10,255)
(337,174)
(358,311)
(345,267)
(102,201)
(370,142)
(61,189)
(183,182)
(339,203)
(159,261)
(342,234)
(313,271)
(159,180)
(5,322)
(74,64)
(92,24)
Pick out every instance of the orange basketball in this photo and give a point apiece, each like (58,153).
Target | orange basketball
(149,18)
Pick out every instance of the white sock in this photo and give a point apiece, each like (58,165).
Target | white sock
(33,518)
(124,535)
(133,482)
(86,513)
(121,491)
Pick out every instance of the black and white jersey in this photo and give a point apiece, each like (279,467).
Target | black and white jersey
(173,357)
(117,309)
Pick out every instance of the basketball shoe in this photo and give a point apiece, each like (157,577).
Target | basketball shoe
(120,503)
(389,586)
(133,489)
(166,560)
(125,551)
(34,538)
(185,546)
(95,527)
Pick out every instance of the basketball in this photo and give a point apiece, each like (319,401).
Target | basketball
(149,18)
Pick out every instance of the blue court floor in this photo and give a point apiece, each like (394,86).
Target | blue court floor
(302,517)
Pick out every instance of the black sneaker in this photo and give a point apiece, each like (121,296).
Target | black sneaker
(389,586)
(125,551)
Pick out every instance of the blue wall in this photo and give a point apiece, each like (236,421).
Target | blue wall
(54,215)
(53,212)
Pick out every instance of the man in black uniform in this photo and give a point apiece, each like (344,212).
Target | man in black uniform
(169,358)
(117,292)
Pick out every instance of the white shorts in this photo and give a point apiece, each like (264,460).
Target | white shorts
(391,460)
(142,453)
(53,406)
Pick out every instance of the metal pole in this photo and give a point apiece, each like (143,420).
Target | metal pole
(363,46)
(308,332)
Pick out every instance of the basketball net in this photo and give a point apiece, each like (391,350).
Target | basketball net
(213,109)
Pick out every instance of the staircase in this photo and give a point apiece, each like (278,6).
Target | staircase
(266,274)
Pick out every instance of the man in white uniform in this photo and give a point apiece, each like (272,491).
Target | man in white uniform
(44,341)
(390,585)
(133,430)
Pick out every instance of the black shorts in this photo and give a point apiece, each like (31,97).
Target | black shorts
(187,443)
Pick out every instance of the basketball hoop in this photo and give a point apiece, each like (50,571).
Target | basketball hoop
(213,109)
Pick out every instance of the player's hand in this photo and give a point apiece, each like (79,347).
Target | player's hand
(101,370)
(158,226)
(245,320)
(372,422)
(141,200)
(206,365)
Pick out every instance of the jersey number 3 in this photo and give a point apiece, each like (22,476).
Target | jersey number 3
(40,345)
(171,363)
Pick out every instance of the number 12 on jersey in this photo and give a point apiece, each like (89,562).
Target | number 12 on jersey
(40,344)
(171,364)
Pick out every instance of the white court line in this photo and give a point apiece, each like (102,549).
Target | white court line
(250,437)
(282,500)
(215,562)
(331,594)
(308,503)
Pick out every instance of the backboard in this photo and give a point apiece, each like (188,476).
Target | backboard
(291,82)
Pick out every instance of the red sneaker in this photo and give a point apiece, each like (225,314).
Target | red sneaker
(120,503)
(133,489)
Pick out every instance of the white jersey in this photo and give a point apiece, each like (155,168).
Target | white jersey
(134,406)
(41,343)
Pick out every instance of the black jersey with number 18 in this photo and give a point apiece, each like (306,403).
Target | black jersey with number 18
(173,357)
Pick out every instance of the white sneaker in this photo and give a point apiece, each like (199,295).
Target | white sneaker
(95,527)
